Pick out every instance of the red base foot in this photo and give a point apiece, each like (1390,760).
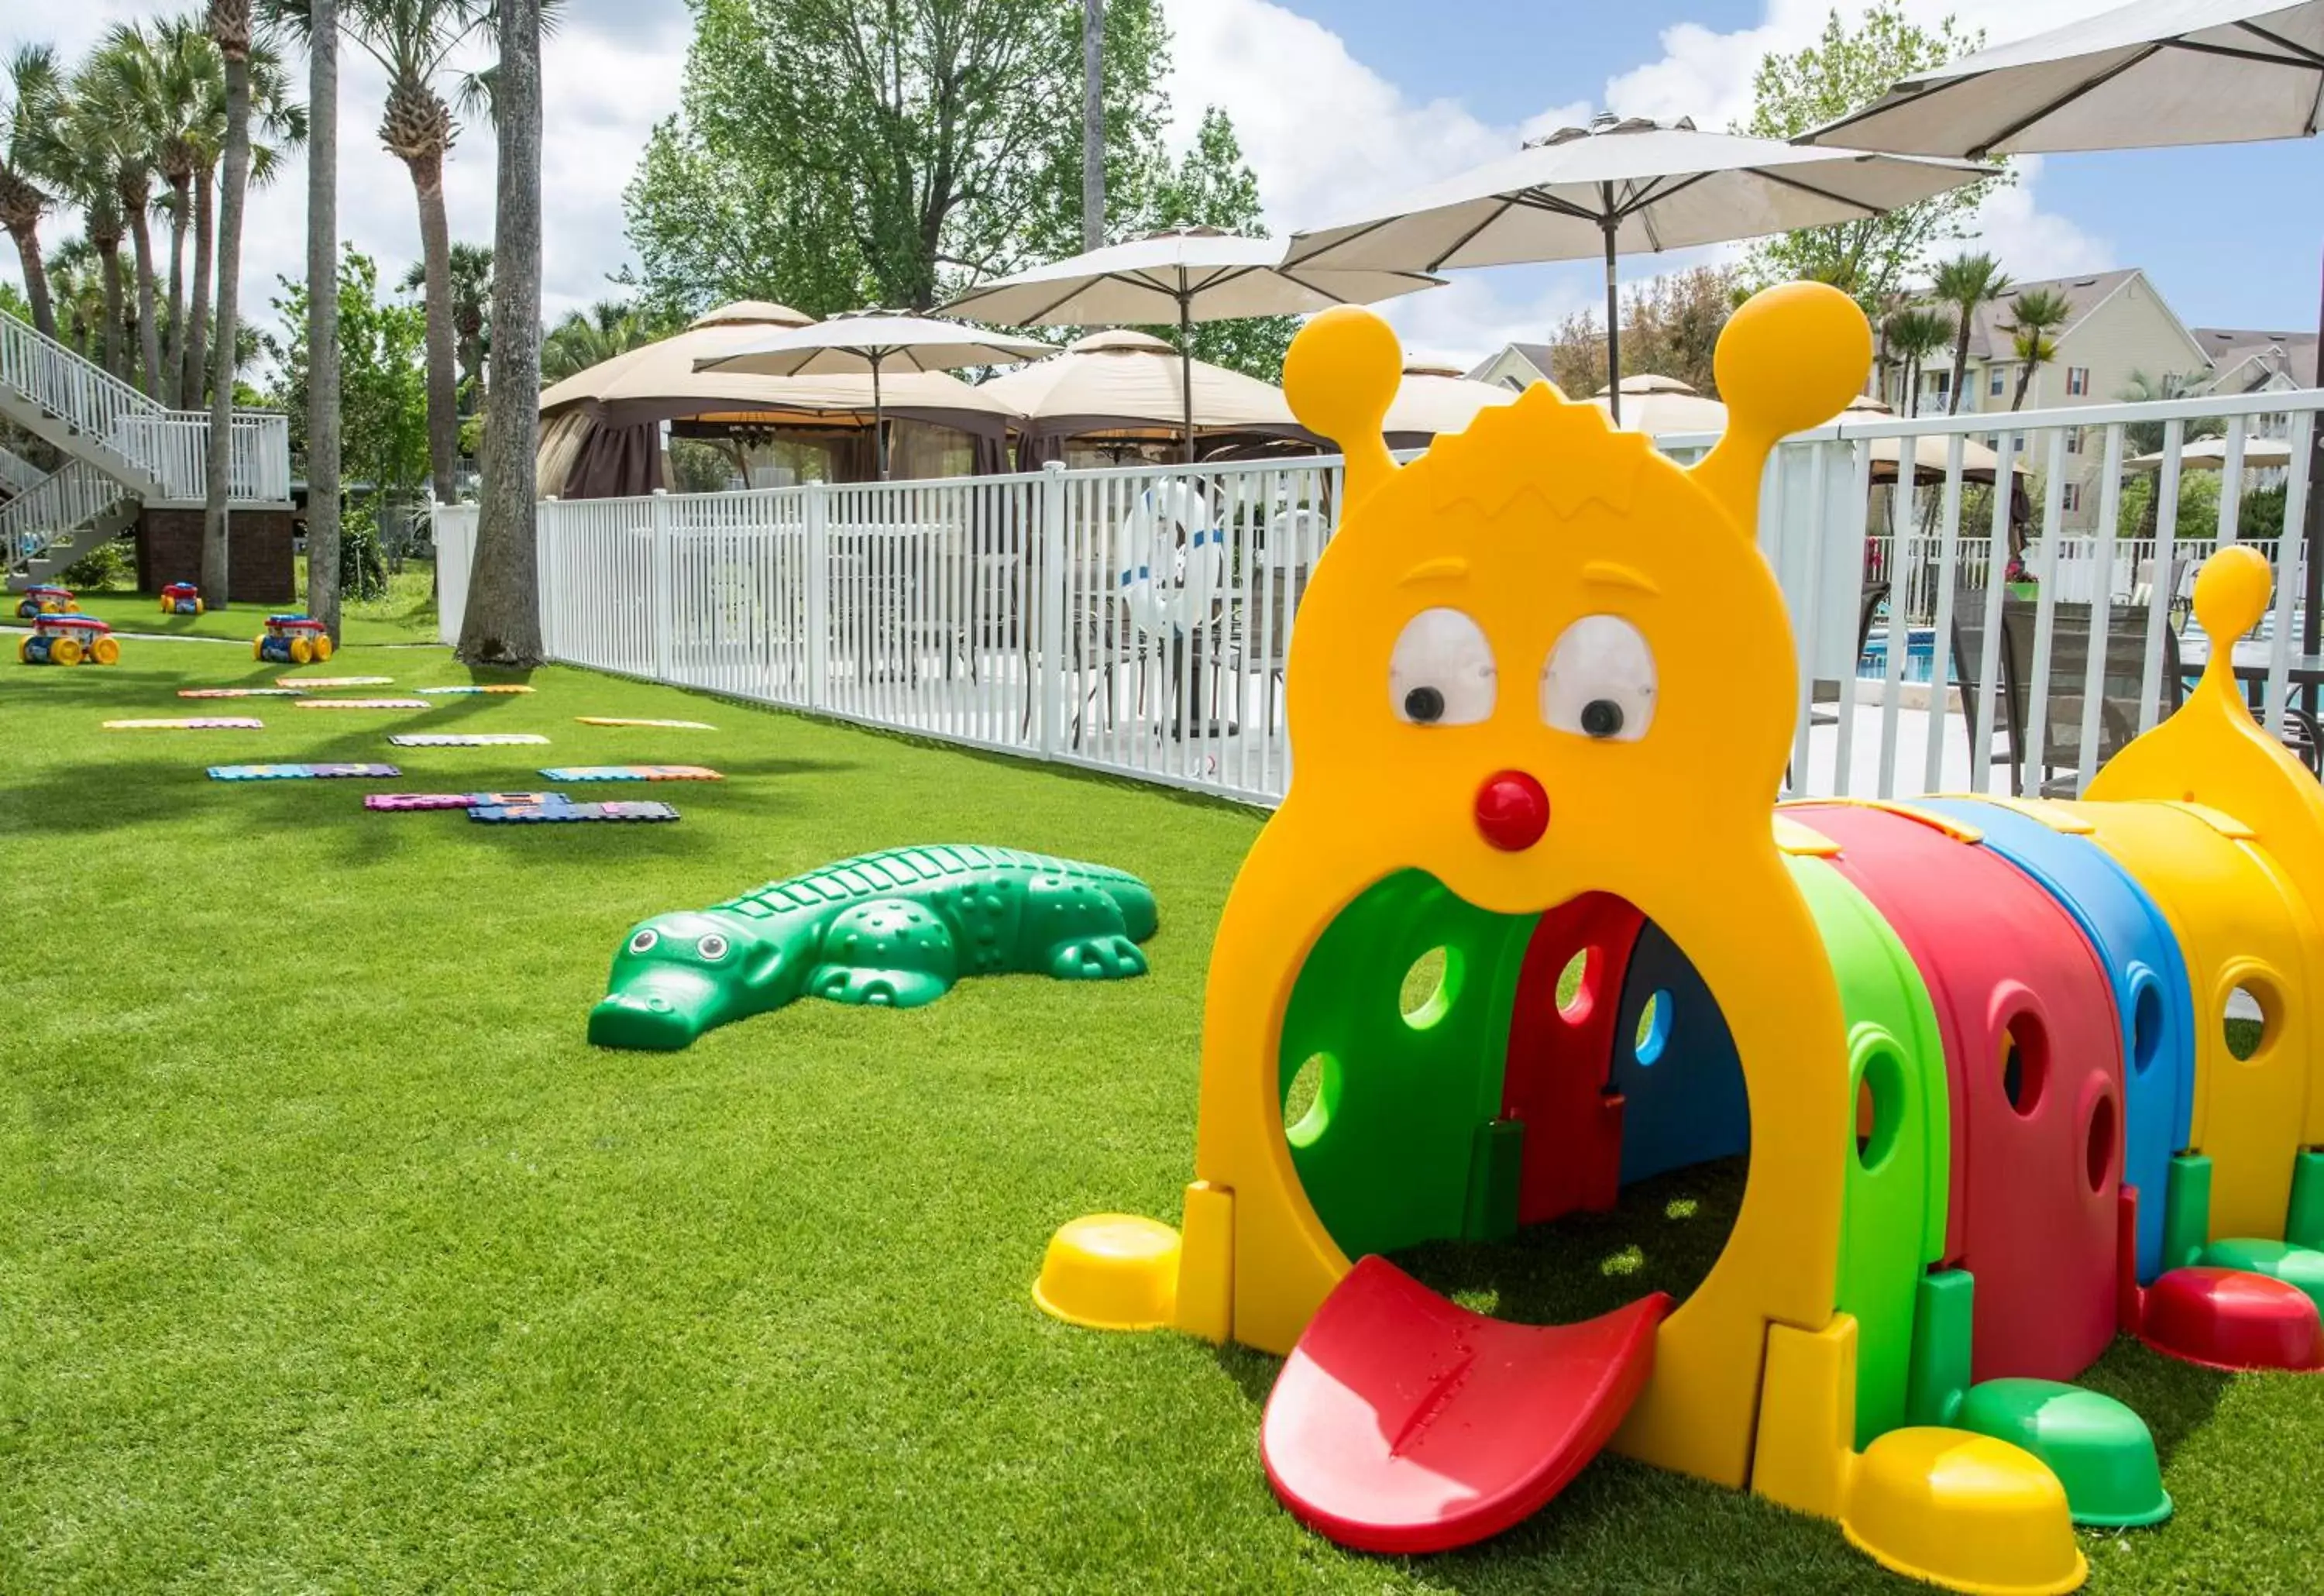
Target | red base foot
(2228,1319)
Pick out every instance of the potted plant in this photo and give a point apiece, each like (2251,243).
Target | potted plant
(2019,580)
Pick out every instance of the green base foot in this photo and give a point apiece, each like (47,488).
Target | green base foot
(876,989)
(2099,1449)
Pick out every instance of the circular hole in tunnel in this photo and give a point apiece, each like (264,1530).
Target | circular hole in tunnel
(1429,984)
(2145,1026)
(1577,984)
(1310,1098)
(2098,1155)
(2250,1020)
(1652,1035)
(1879,1107)
(2025,1063)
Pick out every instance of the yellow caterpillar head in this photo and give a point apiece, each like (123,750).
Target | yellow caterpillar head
(1543,651)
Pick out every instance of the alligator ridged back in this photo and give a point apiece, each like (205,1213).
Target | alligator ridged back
(903,872)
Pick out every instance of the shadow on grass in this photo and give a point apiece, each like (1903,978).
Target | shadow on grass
(2176,1398)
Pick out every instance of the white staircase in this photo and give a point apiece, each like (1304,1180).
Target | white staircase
(18,476)
(122,450)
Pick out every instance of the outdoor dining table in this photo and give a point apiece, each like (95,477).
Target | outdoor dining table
(2251,664)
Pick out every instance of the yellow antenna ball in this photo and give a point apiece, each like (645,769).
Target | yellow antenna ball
(2231,593)
(1792,357)
(1342,373)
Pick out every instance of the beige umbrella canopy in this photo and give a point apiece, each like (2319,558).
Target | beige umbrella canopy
(1125,384)
(1434,398)
(2210,454)
(1659,406)
(1979,463)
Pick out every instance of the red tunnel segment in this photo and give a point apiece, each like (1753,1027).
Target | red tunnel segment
(1559,1057)
(2033,1060)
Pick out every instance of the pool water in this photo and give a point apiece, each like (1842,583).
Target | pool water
(1920,658)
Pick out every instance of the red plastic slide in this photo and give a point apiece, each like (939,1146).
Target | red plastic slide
(1405,1423)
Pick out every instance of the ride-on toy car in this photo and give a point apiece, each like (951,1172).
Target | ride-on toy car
(292,639)
(181,599)
(68,640)
(40,599)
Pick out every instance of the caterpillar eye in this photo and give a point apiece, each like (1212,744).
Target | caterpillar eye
(1600,680)
(1441,672)
(645,940)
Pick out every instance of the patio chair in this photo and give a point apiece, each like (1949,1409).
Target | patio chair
(1876,594)
(1259,630)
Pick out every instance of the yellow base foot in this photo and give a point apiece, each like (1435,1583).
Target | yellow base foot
(1111,1271)
(1964,1511)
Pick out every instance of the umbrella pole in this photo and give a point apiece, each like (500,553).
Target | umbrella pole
(879,423)
(1611,226)
(1186,368)
(2314,595)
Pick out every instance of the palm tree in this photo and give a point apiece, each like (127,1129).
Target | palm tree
(31,97)
(1914,336)
(503,623)
(284,122)
(230,28)
(84,178)
(1967,283)
(2146,437)
(184,78)
(324,438)
(411,40)
(471,266)
(586,337)
(76,290)
(118,98)
(2037,313)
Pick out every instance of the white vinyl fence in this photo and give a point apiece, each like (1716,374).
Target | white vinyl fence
(1137,620)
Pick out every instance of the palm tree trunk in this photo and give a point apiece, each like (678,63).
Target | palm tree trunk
(323,315)
(443,375)
(149,325)
(1961,357)
(108,265)
(229,271)
(197,302)
(2025,380)
(36,277)
(502,624)
(173,358)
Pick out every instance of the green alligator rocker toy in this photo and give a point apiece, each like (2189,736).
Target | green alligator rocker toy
(894,929)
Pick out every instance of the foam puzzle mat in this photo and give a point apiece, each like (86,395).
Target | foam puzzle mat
(465,739)
(615,720)
(297,772)
(399,801)
(238,692)
(211,723)
(451,692)
(632,773)
(525,814)
(360,703)
(336,681)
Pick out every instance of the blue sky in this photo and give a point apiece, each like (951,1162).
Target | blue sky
(1343,102)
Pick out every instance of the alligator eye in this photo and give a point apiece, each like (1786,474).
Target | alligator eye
(1441,673)
(643,942)
(712,947)
(1600,680)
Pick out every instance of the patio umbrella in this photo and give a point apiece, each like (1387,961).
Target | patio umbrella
(1125,384)
(1622,184)
(1660,406)
(1434,398)
(869,341)
(1183,275)
(2156,73)
(2211,455)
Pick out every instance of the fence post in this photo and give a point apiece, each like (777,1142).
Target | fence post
(665,586)
(1054,598)
(818,577)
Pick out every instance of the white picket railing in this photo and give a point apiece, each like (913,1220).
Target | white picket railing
(1135,619)
(18,474)
(58,504)
(171,447)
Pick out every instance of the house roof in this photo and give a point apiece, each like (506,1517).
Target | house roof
(1990,336)
(1536,355)
(2246,358)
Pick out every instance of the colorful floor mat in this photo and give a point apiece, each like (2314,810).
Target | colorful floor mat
(465,739)
(297,772)
(238,692)
(450,692)
(614,719)
(336,681)
(526,814)
(398,801)
(213,723)
(632,773)
(360,703)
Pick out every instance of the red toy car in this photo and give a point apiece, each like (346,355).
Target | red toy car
(68,640)
(181,599)
(292,639)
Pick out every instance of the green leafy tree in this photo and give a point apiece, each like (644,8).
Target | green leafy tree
(1914,336)
(1211,186)
(604,329)
(118,98)
(471,270)
(2035,318)
(1844,70)
(382,376)
(831,157)
(31,95)
(1966,284)
(1670,327)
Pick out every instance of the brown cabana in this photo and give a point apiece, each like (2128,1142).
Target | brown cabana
(601,428)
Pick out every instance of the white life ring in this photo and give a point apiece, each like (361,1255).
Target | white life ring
(1170,562)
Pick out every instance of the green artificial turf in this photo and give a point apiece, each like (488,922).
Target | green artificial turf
(332,1258)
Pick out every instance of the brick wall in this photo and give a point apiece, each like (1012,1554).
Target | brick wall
(258,561)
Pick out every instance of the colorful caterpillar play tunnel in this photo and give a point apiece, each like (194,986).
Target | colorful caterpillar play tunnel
(2012,1077)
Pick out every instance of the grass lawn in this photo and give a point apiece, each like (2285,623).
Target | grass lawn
(406,614)
(333,1259)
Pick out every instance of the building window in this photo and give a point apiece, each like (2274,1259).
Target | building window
(2078,381)
(1996,383)
(2073,496)
(2073,441)
(1941,383)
